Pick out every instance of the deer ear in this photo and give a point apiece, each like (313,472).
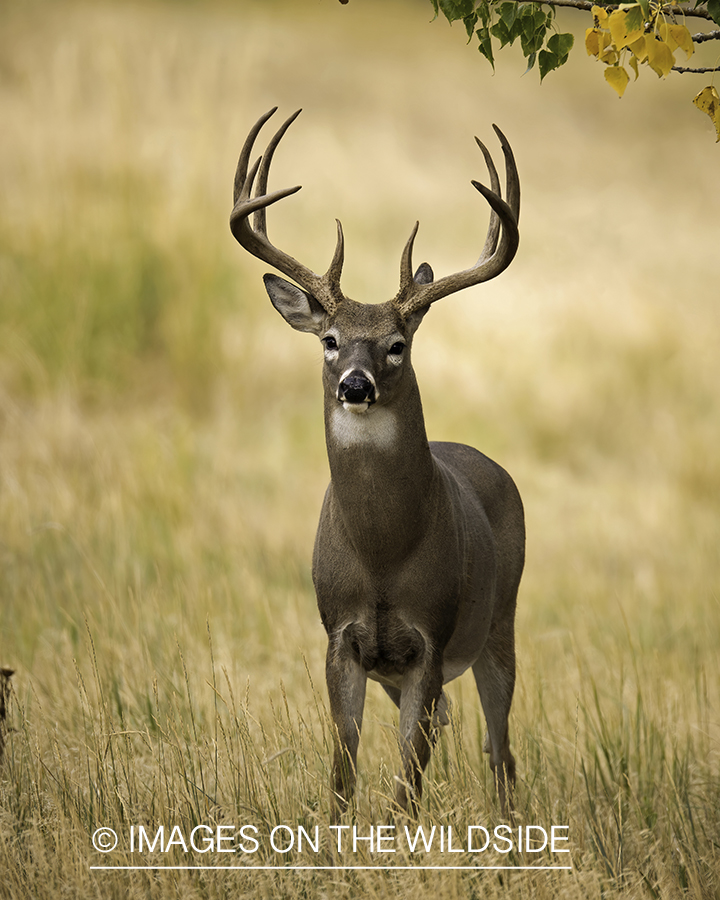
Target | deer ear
(299,309)
(424,274)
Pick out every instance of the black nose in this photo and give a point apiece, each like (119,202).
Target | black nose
(356,388)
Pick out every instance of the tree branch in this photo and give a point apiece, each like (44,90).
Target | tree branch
(684,70)
(587,5)
(703,36)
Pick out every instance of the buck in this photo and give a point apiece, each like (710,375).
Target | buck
(420,546)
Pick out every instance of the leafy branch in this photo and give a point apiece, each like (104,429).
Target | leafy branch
(643,33)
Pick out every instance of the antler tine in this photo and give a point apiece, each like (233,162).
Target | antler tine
(493,260)
(260,218)
(406,266)
(247,186)
(325,289)
(242,166)
(512,179)
(242,189)
(493,232)
(335,270)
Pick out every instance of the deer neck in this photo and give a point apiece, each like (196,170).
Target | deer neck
(382,472)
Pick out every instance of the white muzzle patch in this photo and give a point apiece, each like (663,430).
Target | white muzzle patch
(359,423)
(356,408)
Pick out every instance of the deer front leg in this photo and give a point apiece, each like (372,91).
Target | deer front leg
(346,683)
(419,704)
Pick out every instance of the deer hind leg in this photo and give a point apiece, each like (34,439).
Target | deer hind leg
(442,710)
(495,679)
(346,682)
(422,711)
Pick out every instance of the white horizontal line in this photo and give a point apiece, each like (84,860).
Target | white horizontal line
(327,868)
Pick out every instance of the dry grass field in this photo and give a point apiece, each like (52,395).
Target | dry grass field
(162,456)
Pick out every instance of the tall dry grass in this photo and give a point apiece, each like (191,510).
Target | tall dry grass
(162,458)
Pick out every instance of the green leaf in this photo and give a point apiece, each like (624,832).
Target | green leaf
(530,62)
(645,9)
(507,12)
(533,16)
(634,18)
(500,31)
(535,24)
(456,9)
(556,55)
(713,7)
(511,23)
(483,12)
(539,20)
(547,61)
(485,45)
(470,22)
(561,45)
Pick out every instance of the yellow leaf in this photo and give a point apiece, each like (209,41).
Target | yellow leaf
(660,58)
(608,53)
(665,35)
(617,78)
(639,48)
(599,14)
(617,23)
(597,42)
(592,41)
(683,39)
(634,65)
(708,101)
(609,57)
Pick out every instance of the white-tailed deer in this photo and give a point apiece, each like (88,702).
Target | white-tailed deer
(420,546)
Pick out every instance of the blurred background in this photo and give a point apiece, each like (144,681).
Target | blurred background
(137,344)
(162,457)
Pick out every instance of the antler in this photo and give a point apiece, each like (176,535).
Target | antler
(324,288)
(494,259)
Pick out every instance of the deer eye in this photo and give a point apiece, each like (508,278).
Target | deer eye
(330,343)
(396,349)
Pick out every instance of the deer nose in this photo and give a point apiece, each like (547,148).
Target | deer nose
(356,388)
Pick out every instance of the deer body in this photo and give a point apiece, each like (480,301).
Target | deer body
(420,546)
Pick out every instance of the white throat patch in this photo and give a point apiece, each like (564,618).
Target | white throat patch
(375,426)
